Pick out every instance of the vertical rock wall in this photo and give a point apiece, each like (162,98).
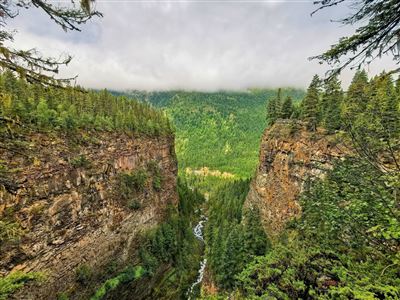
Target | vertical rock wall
(63,191)
(289,156)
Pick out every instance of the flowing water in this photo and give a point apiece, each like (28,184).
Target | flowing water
(198,232)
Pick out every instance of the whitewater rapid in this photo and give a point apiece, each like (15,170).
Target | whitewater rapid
(198,232)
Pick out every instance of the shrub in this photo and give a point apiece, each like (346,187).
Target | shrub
(129,274)
(10,231)
(83,274)
(155,171)
(14,281)
(62,296)
(80,162)
(130,183)
(134,204)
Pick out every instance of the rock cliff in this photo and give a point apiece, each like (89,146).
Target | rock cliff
(68,197)
(289,157)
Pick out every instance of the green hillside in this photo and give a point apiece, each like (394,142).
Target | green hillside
(219,130)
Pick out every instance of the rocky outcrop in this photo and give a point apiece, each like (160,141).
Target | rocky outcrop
(289,157)
(67,199)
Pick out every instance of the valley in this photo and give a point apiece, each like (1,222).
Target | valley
(164,174)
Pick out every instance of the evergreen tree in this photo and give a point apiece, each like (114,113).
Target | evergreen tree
(310,104)
(389,110)
(233,258)
(357,96)
(330,104)
(287,108)
(274,108)
(255,240)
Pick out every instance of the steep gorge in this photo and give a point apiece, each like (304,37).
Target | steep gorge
(65,194)
(290,156)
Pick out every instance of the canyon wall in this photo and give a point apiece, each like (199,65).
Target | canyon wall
(290,156)
(65,194)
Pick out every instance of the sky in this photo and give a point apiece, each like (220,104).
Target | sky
(204,45)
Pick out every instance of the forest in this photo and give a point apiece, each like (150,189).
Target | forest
(220,130)
(345,244)
(183,210)
(70,109)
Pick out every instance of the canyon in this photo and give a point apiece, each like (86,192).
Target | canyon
(67,199)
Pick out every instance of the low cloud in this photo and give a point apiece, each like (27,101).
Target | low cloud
(196,45)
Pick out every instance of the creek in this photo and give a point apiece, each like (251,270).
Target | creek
(198,232)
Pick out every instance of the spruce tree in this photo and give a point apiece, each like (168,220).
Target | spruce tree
(310,104)
(357,96)
(274,108)
(389,107)
(256,241)
(287,108)
(330,104)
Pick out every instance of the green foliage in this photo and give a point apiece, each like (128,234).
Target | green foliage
(274,107)
(80,162)
(376,33)
(356,199)
(345,245)
(310,112)
(357,95)
(129,184)
(331,101)
(156,176)
(9,231)
(70,109)
(83,274)
(15,280)
(173,243)
(134,204)
(218,130)
(287,108)
(128,275)
(62,296)
(232,239)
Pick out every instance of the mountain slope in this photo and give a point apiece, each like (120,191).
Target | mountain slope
(218,130)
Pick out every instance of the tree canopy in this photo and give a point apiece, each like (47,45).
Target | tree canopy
(31,64)
(377,35)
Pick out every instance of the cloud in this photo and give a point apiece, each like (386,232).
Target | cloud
(196,45)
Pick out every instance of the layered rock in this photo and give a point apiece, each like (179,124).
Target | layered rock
(289,157)
(63,191)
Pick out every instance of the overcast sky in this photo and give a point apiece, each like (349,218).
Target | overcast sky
(196,45)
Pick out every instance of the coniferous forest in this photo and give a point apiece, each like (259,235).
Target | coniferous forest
(162,187)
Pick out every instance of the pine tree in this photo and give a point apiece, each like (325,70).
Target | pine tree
(287,108)
(331,103)
(274,108)
(310,104)
(357,96)
(389,107)
(255,240)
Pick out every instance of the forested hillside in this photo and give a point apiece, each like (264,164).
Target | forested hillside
(344,241)
(220,130)
(70,109)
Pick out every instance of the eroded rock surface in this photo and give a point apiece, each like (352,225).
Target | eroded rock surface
(71,212)
(289,157)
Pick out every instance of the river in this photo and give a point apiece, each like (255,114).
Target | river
(198,232)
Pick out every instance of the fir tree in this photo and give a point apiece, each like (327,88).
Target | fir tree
(274,108)
(255,240)
(357,96)
(310,104)
(287,108)
(389,107)
(330,105)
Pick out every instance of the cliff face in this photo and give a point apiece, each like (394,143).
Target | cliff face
(289,156)
(68,196)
